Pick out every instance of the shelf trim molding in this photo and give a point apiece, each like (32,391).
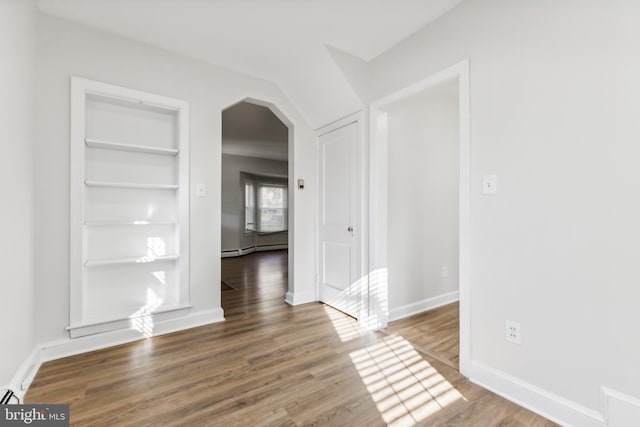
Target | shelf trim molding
(133,185)
(123,146)
(145,259)
(92,328)
(120,223)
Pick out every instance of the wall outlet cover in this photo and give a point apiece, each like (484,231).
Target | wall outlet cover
(513,332)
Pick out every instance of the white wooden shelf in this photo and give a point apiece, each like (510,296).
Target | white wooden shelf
(112,145)
(116,223)
(145,259)
(133,185)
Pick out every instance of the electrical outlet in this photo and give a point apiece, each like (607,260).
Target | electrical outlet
(513,332)
(445,271)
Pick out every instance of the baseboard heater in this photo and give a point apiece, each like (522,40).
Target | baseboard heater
(251,249)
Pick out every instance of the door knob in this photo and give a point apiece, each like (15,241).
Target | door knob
(350,229)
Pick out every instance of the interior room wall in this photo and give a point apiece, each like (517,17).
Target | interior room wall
(17,135)
(423,158)
(66,49)
(554,114)
(233,235)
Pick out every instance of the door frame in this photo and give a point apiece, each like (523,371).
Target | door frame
(291,187)
(378,147)
(361,217)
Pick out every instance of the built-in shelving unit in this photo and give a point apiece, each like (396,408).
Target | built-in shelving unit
(129,207)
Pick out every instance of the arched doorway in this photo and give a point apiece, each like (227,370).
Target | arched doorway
(257,201)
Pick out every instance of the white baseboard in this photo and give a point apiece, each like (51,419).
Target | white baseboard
(618,409)
(24,375)
(423,305)
(228,254)
(251,249)
(288,298)
(264,248)
(237,252)
(298,298)
(246,251)
(70,347)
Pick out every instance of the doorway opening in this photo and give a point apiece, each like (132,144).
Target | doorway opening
(419,210)
(255,199)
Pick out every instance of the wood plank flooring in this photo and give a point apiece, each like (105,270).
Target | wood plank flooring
(434,333)
(270,364)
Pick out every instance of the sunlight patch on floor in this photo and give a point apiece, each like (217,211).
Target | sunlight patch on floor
(346,327)
(404,386)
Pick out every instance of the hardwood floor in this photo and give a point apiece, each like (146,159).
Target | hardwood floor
(259,282)
(270,364)
(434,333)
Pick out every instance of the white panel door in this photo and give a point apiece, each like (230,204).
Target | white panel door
(338,212)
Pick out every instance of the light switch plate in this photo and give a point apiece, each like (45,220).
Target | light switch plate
(489,184)
(200,190)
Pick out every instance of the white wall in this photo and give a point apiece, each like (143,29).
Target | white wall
(423,157)
(17,136)
(233,236)
(67,49)
(554,113)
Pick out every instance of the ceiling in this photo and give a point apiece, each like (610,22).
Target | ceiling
(254,131)
(283,41)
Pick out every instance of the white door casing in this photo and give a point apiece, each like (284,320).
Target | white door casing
(378,201)
(338,214)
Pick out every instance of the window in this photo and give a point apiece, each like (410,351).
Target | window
(265,206)
(249,207)
(272,208)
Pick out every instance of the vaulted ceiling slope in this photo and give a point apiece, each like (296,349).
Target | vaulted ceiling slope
(284,41)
